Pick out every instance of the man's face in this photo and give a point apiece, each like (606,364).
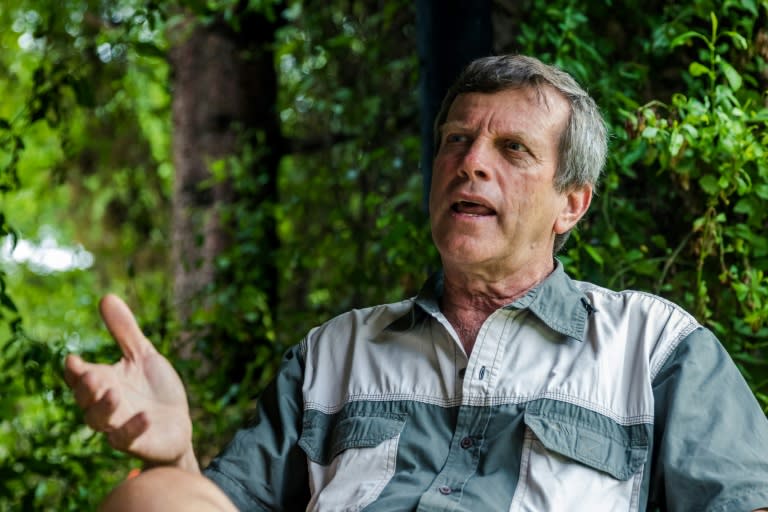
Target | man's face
(493,205)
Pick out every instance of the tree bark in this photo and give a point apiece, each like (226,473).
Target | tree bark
(224,97)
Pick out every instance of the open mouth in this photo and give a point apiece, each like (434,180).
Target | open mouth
(473,209)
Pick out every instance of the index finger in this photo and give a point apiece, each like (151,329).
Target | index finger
(123,327)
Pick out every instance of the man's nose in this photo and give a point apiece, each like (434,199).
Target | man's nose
(475,164)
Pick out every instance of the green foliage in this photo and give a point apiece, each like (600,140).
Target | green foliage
(48,459)
(348,85)
(711,142)
(680,210)
(83,160)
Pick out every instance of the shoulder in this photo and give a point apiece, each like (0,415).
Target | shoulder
(632,302)
(357,324)
(656,324)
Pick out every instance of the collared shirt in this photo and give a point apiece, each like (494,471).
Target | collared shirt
(574,397)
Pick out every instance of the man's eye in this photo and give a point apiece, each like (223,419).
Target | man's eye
(455,137)
(515,146)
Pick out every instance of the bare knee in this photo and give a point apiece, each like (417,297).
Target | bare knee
(167,490)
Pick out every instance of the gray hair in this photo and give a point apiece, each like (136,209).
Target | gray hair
(584,142)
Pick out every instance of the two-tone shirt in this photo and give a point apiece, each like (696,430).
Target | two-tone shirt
(574,397)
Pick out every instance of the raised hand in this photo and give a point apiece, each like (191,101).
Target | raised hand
(140,401)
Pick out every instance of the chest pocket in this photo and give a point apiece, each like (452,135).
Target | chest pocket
(351,459)
(570,464)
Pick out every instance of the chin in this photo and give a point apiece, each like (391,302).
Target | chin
(462,254)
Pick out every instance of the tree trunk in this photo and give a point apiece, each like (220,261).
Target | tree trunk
(224,98)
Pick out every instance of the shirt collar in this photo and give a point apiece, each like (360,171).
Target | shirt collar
(556,301)
(426,303)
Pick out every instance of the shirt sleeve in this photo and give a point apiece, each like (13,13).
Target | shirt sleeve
(263,467)
(710,435)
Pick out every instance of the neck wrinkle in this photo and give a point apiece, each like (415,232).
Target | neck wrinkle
(467,303)
(469,293)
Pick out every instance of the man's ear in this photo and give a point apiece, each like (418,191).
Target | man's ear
(577,203)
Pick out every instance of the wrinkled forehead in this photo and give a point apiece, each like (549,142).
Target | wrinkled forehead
(541,94)
(526,105)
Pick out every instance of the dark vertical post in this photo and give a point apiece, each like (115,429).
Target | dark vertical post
(450,34)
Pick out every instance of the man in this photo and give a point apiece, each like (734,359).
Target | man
(504,385)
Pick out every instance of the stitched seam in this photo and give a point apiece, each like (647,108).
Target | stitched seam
(671,348)
(634,502)
(581,425)
(481,401)
(522,480)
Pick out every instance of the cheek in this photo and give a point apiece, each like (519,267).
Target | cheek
(434,192)
(438,183)
(516,192)
(440,166)
(527,189)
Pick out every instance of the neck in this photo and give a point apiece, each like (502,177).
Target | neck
(468,300)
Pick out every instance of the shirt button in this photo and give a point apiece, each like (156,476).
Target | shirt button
(444,489)
(466,443)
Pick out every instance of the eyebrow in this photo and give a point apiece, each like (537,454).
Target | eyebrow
(452,125)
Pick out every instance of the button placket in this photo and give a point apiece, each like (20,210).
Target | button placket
(476,383)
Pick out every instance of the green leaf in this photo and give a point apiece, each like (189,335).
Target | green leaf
(148,50)
(676,142)
(738,40)
(690,130)
(685,37)
(749,358)
(749,5)
(709,184)
(634,255)
(650,132)
(758,117)
(7,303)
(594,254)
(744,206)
(697,69)
(733,76)
(659,241)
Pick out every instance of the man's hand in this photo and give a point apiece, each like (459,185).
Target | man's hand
(139,402)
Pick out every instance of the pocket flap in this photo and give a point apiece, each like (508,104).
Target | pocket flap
(324,440)
(619,450)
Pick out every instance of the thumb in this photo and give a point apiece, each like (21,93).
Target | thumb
(123,437)
(122,326)
(74,368)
